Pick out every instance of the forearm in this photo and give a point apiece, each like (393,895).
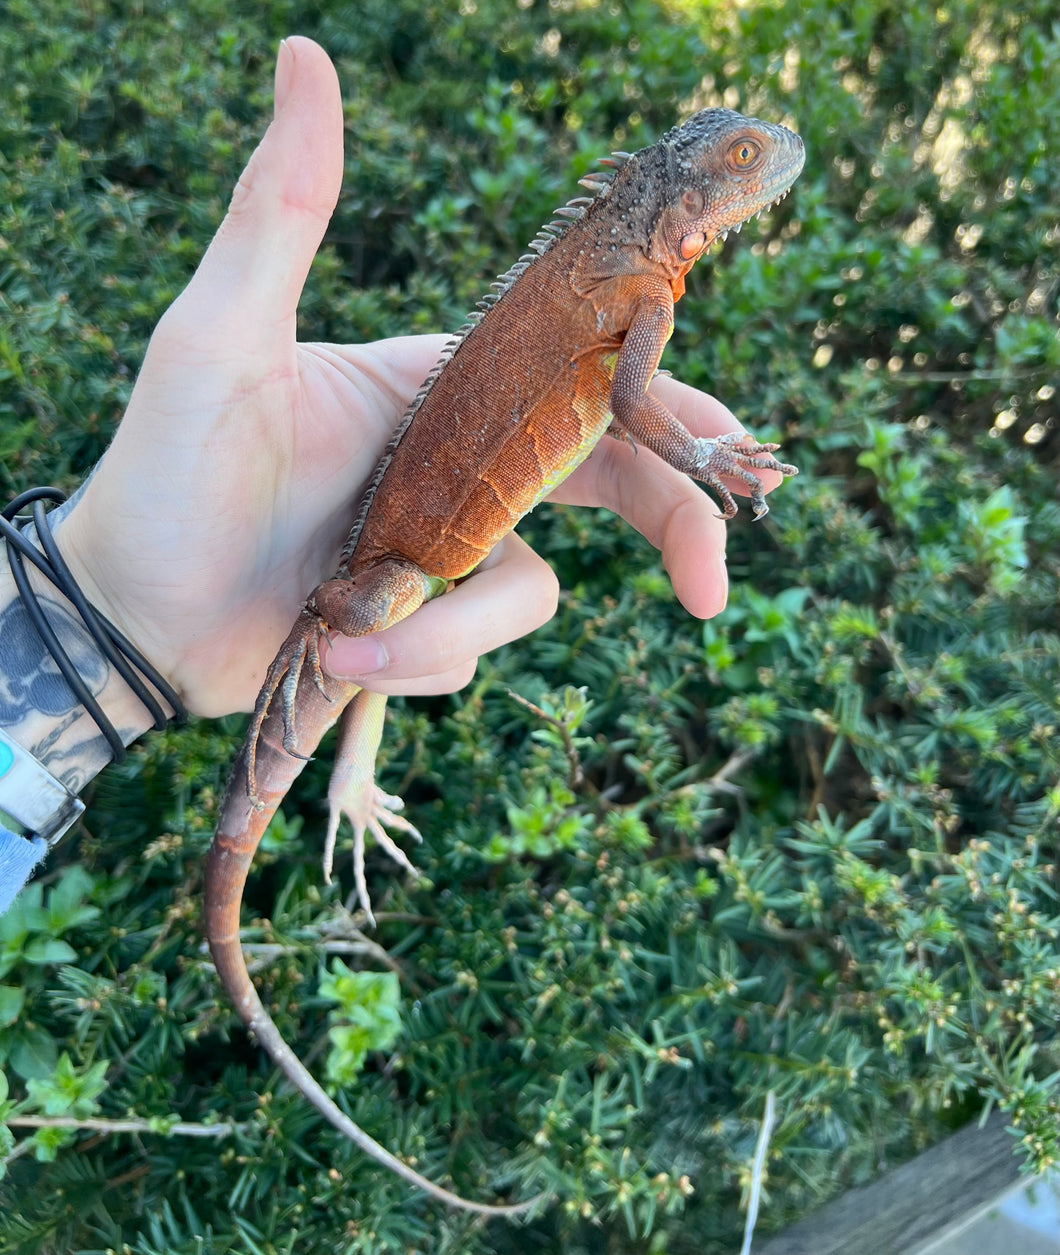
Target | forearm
(37,707)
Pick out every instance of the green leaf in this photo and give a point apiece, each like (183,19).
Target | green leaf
(370,1002)
(48,1142)
(74,884)
(30,1052)
(11,1002)
(68,1090)
(49,950)
(23,914)
(7,1145)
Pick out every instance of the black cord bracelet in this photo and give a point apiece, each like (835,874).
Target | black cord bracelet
(116,648)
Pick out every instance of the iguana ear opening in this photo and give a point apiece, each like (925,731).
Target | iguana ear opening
(693,202)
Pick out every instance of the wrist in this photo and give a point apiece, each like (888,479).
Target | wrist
(40,709)
(144,599)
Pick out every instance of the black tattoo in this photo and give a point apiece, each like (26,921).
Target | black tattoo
(75,766)
(29,679)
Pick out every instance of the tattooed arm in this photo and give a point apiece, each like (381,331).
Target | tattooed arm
(37,707)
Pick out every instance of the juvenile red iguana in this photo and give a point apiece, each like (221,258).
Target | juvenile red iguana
(560,353)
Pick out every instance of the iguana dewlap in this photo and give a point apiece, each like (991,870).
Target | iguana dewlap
(559,354)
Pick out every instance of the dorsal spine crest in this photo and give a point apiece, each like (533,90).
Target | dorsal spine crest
(599,182)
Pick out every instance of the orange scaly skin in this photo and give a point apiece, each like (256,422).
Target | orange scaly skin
(561,353)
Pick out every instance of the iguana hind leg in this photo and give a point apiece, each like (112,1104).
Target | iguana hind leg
(354,793)
(300,650)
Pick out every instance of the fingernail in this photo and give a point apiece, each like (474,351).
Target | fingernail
(354,658)
(284,75)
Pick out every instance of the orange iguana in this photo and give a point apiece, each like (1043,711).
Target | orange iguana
(560,353)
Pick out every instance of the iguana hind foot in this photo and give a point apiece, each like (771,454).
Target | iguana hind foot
(302,646)
(354,793)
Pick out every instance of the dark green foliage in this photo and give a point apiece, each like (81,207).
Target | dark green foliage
(807,847)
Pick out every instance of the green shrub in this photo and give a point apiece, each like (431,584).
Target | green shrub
(808,847)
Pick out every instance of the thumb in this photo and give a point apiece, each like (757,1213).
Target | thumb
(253,272)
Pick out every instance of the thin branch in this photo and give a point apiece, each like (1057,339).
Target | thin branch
(734,764)
(19,1149)
(575,774)
(263,952)
(757,1167)
(100,1124)
(959,376)
(719,782)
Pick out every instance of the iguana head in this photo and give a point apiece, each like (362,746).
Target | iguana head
(720,169)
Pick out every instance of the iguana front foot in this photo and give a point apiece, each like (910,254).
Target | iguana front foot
(354,793)
(733,455)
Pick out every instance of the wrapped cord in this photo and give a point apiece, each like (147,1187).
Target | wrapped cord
(115,647)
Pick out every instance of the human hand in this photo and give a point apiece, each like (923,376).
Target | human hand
(232,480)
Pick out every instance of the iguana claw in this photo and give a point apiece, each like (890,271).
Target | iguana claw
(732,454)
(300,647)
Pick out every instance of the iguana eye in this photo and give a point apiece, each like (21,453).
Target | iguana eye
(744,153)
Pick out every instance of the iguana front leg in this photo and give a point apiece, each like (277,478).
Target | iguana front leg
(644,420)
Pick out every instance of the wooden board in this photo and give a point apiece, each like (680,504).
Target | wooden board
(945,1187)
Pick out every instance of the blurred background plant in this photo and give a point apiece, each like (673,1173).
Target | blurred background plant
(808,847)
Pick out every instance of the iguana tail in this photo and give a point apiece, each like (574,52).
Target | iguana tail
(264,771)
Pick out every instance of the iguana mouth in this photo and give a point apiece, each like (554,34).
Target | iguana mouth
(724,235)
